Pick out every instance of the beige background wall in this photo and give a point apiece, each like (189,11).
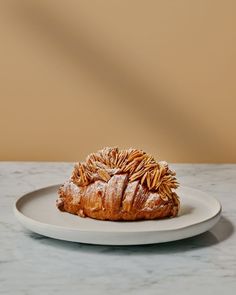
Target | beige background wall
(79,75)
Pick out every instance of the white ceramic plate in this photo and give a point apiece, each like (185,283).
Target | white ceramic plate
(37,211)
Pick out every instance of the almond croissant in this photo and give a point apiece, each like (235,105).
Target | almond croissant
(115,184)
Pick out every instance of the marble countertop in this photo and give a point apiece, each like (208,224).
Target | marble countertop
(33,264)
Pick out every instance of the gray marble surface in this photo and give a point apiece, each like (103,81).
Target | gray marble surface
(33,264)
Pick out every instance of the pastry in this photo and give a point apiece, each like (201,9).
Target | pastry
(115,184)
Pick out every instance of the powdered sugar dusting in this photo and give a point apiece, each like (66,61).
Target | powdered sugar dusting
(152,200)
(113,171)
(163,163)
(153,197)
(70,186)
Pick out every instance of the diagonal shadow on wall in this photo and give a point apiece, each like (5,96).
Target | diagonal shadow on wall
(185,133)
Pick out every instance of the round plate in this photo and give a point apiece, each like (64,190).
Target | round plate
(37,211)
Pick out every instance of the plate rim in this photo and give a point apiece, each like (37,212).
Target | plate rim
(22,217)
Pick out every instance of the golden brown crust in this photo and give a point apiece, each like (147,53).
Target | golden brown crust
(126,185)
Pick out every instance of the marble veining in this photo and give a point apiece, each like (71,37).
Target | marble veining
(33,264)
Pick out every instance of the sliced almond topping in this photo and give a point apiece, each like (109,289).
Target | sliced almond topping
(136,164)
(154,182)
(122,157)
(164,197)
(82,179)
(134,154)
(143,178)
(104,175)
(148,180)
(140,166)
(136,175)
(126,168)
